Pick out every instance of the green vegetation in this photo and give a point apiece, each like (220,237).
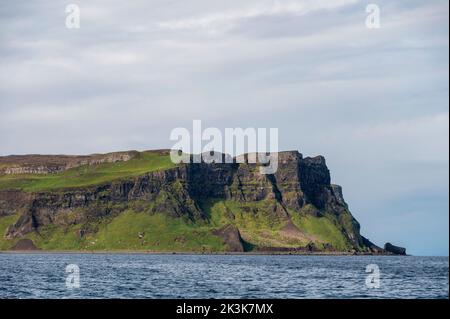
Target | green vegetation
(260,225)
(258,222)
(165,217)
(158,231)
(127,231)
(324,228)
(252,215)
(52,237)
(87,175)
(5,221)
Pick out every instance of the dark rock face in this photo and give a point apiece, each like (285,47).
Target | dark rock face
(373,248)
(13,202)
(314,178)
(180,191)
(395,249)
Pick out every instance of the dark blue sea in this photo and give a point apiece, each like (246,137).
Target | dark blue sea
(221,276)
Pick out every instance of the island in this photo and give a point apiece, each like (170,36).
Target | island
(142,201)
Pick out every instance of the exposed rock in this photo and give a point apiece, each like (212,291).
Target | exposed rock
(231,237)
(24,244)
(48,164)
(14,201)
(372,247)
(311,247)
(291,231)
(394,249)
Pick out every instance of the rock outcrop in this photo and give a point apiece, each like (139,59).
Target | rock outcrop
(394,249)
(48,164)
(231,237)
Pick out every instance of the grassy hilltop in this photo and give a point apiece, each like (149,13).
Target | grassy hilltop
(87,175)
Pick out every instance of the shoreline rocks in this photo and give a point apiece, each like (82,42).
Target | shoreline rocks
(396,250)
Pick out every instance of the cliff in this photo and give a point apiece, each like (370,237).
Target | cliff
(141,201)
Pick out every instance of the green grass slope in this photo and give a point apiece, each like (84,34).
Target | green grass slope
(260,226)
(5,221)
(87,175)
(128,231)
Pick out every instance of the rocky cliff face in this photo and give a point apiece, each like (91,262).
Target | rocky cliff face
(301,186)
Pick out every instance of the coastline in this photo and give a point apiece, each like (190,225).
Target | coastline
(145,252)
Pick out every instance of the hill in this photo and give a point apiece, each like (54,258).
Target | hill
(142,201)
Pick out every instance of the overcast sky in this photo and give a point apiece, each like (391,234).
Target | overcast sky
(374,102)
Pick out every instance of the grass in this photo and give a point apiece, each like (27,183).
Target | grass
(139,228)
(5,221)
(324,228)
(52,237)
(143,230)
(259,226)
(87,175)
(158,233)
(254,215)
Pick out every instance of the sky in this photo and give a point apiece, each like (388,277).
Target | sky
(373,101)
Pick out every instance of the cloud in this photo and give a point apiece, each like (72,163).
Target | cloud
(415,134)
(223,19)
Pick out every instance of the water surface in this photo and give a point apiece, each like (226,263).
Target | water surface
(221,276)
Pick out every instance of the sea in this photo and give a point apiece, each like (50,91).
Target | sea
(104,275)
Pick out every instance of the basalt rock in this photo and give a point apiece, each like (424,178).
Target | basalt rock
(372,247)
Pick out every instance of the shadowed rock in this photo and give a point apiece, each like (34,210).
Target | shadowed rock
(395,249)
